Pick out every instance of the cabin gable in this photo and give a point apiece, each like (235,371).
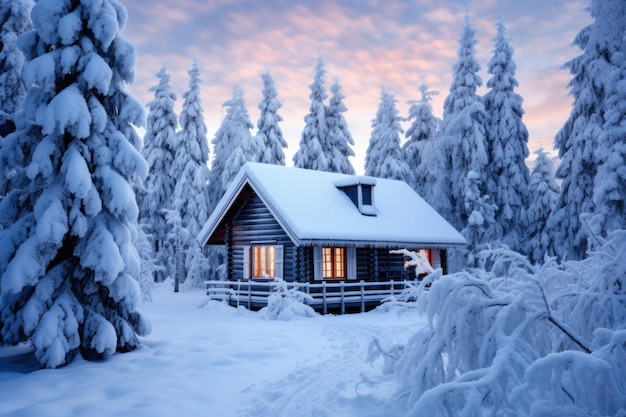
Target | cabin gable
(248,224)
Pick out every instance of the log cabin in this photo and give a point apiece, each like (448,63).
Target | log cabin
(326,232)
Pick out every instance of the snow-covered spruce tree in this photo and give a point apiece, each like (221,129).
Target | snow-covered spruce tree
(383,157)
(68,265)
(191,172)
(148,267)
(233,146)
(420,137)
(269,135)
(609,195)
(159,149)
(463,132)
(339,140)
(507,175)
(14,20)
(481,217)
(578,139)
(311,153)
(543,192)
(522,339)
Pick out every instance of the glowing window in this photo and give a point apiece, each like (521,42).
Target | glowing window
(264,261)
(333,262)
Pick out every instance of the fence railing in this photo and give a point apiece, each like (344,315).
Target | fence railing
(324,295)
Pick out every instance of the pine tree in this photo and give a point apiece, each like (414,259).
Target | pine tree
(269,135)
(609,194)
(14,20)
(464,134)
(190,169)
(339,139)
(68,265)
(383,157)
(481,214)
(543,192)
(233,146)
(577,141)
(311,154)
(507,175)
(422,133)
(159,149)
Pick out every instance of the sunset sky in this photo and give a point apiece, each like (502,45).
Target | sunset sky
(366,44)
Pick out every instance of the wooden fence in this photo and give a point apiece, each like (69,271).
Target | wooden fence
(323,296)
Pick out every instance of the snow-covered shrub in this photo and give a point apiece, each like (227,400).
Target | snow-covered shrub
(390,355)
(522,339)
(412,290)
(286,303)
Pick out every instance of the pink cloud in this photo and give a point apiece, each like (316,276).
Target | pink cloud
(366,48)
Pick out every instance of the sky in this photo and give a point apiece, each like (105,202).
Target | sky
(366,44)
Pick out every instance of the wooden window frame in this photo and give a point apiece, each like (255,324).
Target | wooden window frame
(250,254)
(263,261)
(334,263)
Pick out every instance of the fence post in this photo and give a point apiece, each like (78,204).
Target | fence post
(249,296)
(362,296)
(343,305)
(324,309)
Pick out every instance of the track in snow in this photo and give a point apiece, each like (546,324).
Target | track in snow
(327,388)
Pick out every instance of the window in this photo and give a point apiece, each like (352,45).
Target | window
(333,262)
(264,261)
(366,191)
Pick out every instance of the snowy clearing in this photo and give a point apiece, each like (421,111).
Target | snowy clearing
(209,359)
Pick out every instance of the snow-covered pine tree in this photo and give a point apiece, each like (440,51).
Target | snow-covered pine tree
(609,195)
(191,172)
(420,140)
(383,157)
(311,154)
(68,265)
(159,150)
(507,175)
(463,132)
(543,192)
(269,135)
(14,20)
(339,140)
(578,139)
(481,217)
(233,146)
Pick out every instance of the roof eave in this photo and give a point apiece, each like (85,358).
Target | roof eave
(379,243)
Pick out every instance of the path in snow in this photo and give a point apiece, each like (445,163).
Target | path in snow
(337,385)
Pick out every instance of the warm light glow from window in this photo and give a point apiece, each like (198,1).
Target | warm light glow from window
(333,262)
(264,261)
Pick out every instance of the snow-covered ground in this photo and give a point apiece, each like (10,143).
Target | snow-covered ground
(208,359)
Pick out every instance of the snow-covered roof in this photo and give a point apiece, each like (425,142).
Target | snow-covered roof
(312,209)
